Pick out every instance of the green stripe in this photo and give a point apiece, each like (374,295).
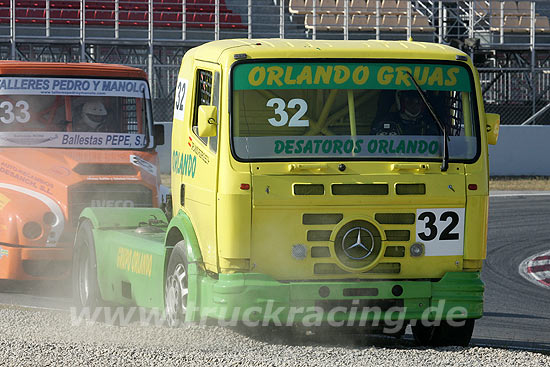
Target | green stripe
(349,76)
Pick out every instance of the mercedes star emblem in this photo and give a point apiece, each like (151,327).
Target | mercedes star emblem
(358,243)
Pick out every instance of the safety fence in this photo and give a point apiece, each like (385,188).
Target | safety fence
(509,40)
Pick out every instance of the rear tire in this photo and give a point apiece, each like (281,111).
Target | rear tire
(444,334)
(86,292)
(177,286)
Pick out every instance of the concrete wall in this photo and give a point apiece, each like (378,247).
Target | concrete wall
(164,150)
(521,151)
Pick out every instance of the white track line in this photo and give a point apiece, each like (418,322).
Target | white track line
(519,193)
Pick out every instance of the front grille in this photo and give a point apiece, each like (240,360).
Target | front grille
(385,268)
(320,251)
(321,219)
(107,195)
(398,235)
(395,251)
(395,218)
(324,227)
(91,169)
(318,235)
(323,269)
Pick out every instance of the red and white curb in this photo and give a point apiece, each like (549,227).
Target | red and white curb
(536,269)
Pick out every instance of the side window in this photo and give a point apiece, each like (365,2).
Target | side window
(213,142)
(204,97)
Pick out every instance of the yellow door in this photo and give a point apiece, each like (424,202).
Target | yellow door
(199,162)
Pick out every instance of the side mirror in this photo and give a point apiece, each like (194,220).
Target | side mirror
(158,133)
(493,127)
(208,121)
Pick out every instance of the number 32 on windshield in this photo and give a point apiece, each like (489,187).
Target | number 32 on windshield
(441,231)
(280,108)
(18,113)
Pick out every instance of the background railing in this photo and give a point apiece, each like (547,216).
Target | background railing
(509,40)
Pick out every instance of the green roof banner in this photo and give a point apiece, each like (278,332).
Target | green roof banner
(342,75)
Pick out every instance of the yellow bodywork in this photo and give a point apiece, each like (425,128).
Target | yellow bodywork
(247,215)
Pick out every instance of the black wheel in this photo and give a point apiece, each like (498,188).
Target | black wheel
(444,334)
(397,334)
(85,288)
(176,287)
(423,335)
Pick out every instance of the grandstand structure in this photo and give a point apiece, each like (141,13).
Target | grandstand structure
(508,40)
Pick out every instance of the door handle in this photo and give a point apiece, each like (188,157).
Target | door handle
(312,167)
(419,167)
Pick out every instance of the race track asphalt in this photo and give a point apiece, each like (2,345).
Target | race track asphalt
(517,312)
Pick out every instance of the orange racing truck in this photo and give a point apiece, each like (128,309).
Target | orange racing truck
(71,136)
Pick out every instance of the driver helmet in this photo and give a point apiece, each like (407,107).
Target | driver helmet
(409,104)
(94,114)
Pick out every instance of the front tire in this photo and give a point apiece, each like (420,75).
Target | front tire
(86,292)
(176,286)
(444,334)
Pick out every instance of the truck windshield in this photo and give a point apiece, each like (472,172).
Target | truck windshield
(352,110)
(74,113)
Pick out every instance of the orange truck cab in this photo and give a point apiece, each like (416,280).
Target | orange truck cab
(71,136)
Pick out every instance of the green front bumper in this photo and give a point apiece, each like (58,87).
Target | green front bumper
(258,298)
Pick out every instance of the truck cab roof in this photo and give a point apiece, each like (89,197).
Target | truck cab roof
(224,51)
(69,69)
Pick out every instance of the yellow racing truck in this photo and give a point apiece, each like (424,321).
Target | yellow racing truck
(340,183)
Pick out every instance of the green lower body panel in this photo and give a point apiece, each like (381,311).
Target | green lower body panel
(257,298)
(130,254)
(130,267)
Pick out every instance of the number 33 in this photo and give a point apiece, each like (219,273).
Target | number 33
(22,115)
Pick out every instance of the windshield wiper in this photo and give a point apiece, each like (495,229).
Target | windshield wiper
(445,163)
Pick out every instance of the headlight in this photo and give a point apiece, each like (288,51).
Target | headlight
(417,249)
(299,252)
(32,230)
(49,219)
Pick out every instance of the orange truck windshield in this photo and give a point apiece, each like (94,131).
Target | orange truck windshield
(74,112)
